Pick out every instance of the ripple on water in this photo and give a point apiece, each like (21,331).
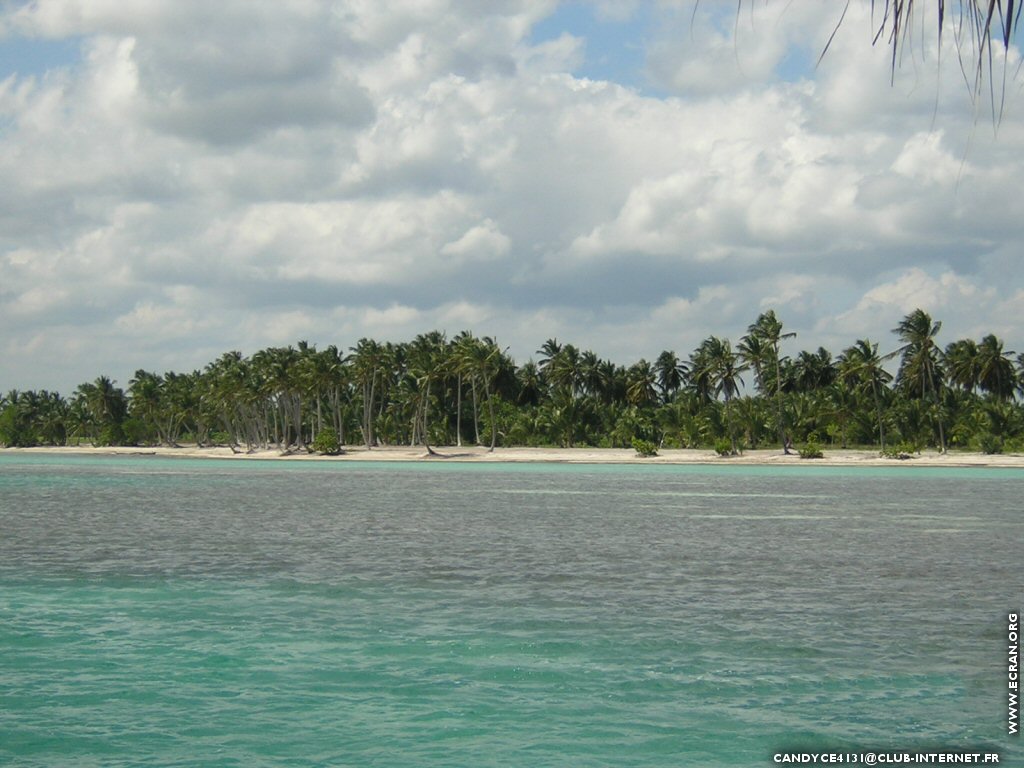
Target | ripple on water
(204,614)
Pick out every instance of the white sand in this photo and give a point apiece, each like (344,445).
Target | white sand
(836,457)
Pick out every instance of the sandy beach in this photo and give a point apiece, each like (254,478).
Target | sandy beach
(833,457)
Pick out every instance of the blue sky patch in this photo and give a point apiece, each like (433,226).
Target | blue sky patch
(26,56)
(615,48)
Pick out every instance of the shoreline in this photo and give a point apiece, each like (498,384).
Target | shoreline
(475,454)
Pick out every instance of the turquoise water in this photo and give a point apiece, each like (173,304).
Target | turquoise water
(208,613)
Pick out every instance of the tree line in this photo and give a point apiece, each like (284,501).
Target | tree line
(467,390)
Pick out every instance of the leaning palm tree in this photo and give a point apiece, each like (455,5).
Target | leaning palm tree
(920,373)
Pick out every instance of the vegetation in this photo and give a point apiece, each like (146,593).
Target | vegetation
(644,448)
(326,442)
(902,451)
(435,390)
(811,450)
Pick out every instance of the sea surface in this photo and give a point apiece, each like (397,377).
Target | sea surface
(161,611)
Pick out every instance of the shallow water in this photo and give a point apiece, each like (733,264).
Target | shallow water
(203,612)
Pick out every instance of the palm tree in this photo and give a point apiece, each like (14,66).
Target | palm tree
(701,382)
(146,400)
(530,384)
(861,367)
(1020,373)
(995,369)
(429,362)
(564,370)
(548,351)
(106,406)
(329,375)
(756,353)
(592,381)
(366,359)
(281,372)
(724,369)
(461,355)
(767,330)
(672,373)
(814,370)
(920,372)
(962,364)
(484,362)
(640,389)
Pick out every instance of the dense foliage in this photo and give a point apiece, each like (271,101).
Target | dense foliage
(435,390)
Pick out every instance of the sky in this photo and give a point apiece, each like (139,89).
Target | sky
(181,178)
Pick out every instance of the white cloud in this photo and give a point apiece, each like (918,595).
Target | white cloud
(483,242)
(915,288)
(213,177)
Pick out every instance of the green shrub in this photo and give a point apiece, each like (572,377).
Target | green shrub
(644,448)
(15,432)
(326,442)
(1014,445)
(811,450)
(723,447)
(901,451)
(219,438)
(133,432)
(110,435)
(989,443)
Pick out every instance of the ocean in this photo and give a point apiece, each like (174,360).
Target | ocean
(181,612)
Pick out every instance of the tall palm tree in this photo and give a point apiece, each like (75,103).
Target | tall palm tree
(725,367)
(767,329)
(146,400)
(367,356)
(861,367)
(484,362)
(591,379)
(920,372)
(429,363)
(701,382)
(461,355)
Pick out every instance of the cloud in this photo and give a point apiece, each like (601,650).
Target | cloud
(224,177)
